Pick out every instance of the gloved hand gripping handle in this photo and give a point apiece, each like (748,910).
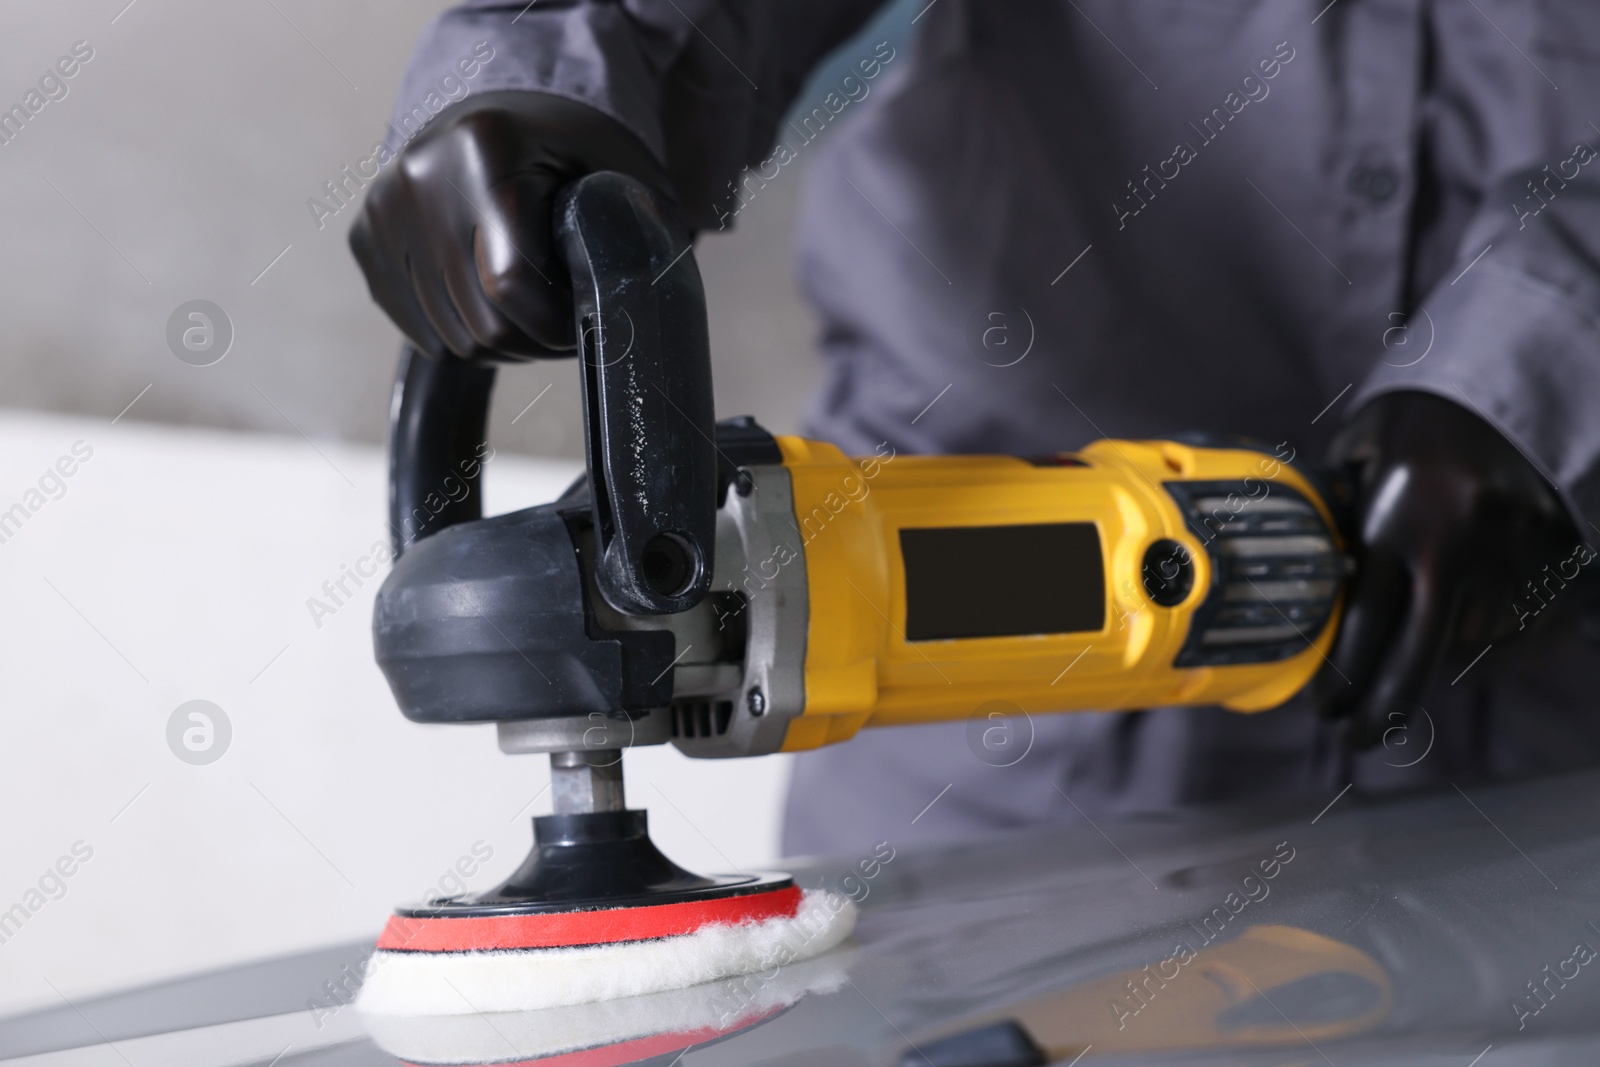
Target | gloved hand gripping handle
(647,403)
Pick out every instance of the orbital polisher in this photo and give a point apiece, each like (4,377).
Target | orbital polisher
(736,593)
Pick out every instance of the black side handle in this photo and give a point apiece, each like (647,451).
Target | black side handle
(648,419)
(647,403)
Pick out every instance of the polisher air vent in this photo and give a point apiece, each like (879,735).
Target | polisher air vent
(701,718)
(1276,568)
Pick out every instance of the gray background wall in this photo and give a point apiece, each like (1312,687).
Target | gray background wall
(178,166)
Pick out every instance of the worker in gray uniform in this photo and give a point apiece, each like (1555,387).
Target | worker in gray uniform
(1367,231)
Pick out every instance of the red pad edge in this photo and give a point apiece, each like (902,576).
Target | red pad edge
(570,929)
(615,1055)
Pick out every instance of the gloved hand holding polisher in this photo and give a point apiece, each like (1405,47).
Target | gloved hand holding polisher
(1452,523)
(455,239)
(1451,520)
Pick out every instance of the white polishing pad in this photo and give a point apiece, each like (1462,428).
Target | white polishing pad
(638,1026)
(464,983)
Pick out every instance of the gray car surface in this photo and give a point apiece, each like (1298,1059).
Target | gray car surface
(1419,930)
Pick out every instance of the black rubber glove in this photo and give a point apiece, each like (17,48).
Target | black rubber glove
(1451,522)
(455,237)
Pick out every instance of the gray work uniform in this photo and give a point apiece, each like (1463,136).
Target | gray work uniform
(1236,216)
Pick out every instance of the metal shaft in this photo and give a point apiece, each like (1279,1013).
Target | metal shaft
(587,781)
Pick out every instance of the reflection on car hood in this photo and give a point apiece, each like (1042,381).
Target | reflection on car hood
(1420,930)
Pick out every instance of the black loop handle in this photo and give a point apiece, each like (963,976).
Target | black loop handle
(647,403)
(438,433)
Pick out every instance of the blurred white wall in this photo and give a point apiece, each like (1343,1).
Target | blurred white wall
(175,565)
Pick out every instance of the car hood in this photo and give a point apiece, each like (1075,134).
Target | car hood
(1427,929)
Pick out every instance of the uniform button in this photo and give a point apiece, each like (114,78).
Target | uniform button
(1376,182)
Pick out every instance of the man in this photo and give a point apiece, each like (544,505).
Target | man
(1370,226)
